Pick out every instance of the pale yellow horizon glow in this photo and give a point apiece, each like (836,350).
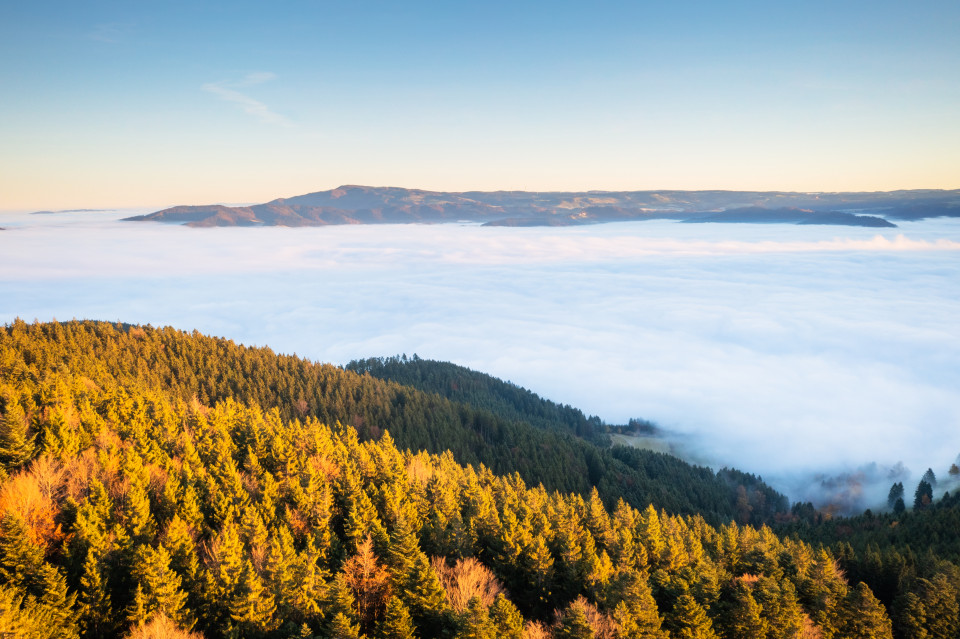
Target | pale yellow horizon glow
(89,188)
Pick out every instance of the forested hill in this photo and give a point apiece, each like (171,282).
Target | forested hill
(482,391)
(190,366)
(351,204)
(147,491)
(754,500)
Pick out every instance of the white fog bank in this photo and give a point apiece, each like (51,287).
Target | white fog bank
(780,348)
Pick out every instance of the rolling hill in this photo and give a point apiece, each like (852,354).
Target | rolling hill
(391,205)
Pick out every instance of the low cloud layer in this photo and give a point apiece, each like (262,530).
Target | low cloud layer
(779,349)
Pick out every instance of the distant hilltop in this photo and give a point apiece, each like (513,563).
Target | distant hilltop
(393,205)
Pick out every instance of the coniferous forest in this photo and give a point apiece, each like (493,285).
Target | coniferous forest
(157,483)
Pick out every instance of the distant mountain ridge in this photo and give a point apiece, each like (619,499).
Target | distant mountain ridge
(394,205)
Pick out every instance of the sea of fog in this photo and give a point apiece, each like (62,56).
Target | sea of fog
(783,350)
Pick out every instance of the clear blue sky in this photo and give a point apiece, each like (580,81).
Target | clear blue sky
(158,103)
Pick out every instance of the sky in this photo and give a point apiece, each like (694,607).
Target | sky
(788,351)
(153,104)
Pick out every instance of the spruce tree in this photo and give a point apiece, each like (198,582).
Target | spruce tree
(424,596)
(159,588)
(396,623)
(689,620)
(573,624)
(866,617)
(507,620)
(744,616)
(25,617)
(16,444)
(402,550)
(252,605)
(95,615)
(651,535)
(340,627)
(475,622)
(930,611)
(923,497)
(896,492)
(635,614)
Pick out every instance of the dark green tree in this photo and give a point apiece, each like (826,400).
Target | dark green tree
(923,496)
(896,492)
(930,610)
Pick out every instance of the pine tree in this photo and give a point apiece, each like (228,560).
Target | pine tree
(930,611)
(866,617)
(222,577)
(340,627)
(744,617)
(573,624)
(635,614)
(252,606)
(16,445)
(136,507)
(824,592)
(781,609)
(22,567)
(424,596)
(923,497)
(396,623)
(183,557)
(138,613)
(475,622)
(402,550)
(507,620)
(896,492)
(25,617)
(159,589)
(361,520)
(59,438)
(281,573)
(94,600)
(651,535)
(690,621)
(21,560)
(339,599)
(540,573)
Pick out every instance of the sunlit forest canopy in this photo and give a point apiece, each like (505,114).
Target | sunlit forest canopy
(158,481)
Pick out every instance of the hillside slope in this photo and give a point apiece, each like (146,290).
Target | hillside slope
(393,205)
(212,370)
(125,507)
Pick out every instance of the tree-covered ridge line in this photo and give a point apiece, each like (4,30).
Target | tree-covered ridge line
(212,369)
(233,522)
(353,204)
(480,390)
(753,498)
